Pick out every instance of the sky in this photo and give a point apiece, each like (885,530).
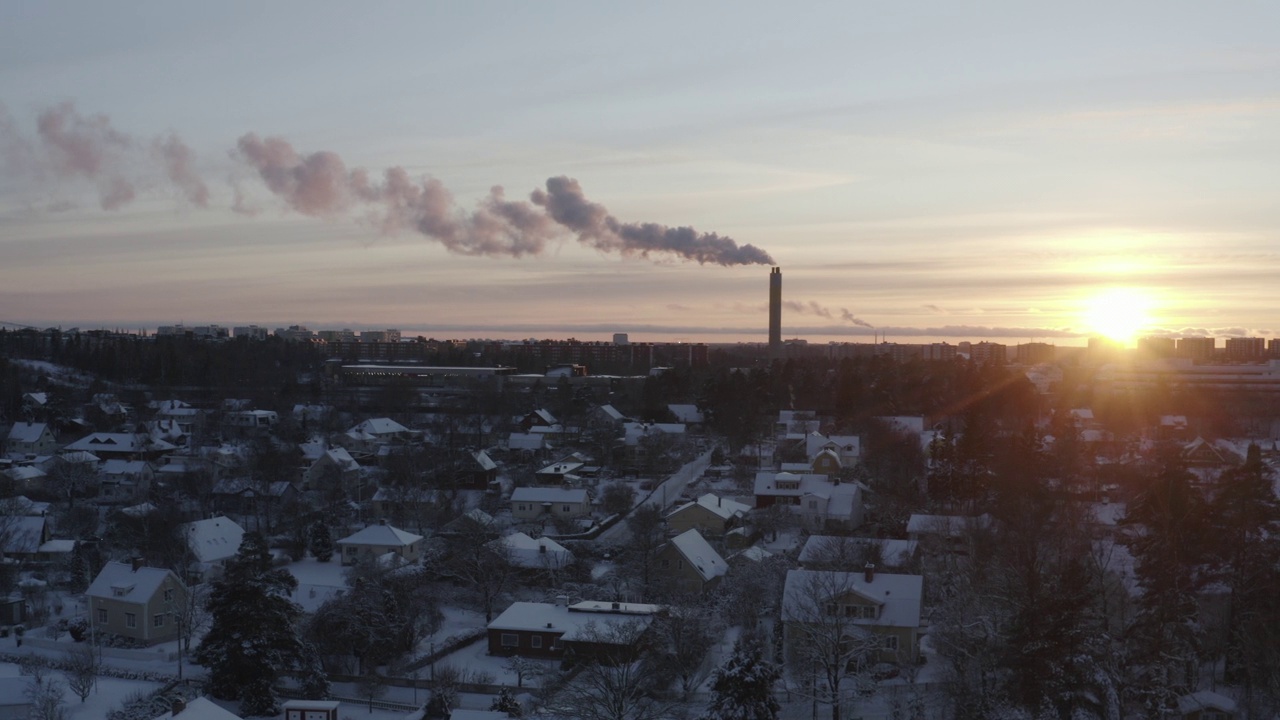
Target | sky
(1002,171)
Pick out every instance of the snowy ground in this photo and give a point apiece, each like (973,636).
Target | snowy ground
(317,581)
(110,694)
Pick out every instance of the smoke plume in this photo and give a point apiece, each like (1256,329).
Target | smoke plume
(87,147)
(565,203)
(319,184)
(813,308)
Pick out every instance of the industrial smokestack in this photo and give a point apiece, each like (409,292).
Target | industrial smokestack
(775,312)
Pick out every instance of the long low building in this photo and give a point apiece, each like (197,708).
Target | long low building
(606,630)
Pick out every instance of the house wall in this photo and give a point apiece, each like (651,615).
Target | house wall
(534,510)
(144,615)
(548,644)
(696,517)
(679,573)
(351,552)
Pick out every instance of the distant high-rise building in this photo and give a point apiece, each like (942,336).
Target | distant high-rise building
(1246,348)
(775,312)
(1199,349)
(1156,347)
(620,339)
(389,335)
(250,331)
(1033,353)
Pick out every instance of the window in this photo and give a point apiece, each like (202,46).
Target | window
(565,508)
(813,504)
(535,641)
(510,640)
(521,506)
(158,620)
(168,595)
(130,620)
(102,616)
(891,642)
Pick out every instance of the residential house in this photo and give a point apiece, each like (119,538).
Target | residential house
(850,554)
(689,563)
(541,503)
(381,541)
(796,423)
(847,448)
(710,514)
(820,502)
(531,444)
(187,418)
(538,419)
(249,423)
(30,439)
(946,533)
(25,537)
(212,543)
(244,496)
(126,446)
(605,416)
(124,481)
(133,601)
(610,631)
(686,414)
(334,463)
(879,610)
(374,433)
(541,554)
(559,473)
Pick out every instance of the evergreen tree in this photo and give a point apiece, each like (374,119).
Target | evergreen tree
(321,542)
(743,687)
(252,638)
(507,703)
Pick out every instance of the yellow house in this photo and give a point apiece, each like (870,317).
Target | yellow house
(879,612)
(133,601)
(534,503)
(690,564)
(710,515)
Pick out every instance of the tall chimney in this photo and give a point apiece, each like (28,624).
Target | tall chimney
(869,572)
(136,561)
(178,706)
(775,312)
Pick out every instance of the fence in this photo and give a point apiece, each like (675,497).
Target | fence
(152,655)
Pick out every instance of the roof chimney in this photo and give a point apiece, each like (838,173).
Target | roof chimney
(869,572)
(562,601)
(178,706)
(136,562)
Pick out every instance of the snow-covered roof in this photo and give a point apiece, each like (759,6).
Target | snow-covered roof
(949,525)
(722,507)
(525,441)
(123,467)
(25,535)
(201,709)
(461,714)
(544,416)
(527,552)
(381,536)
(120,443)
(898,595)
(634,431)
(829,547)
(379,426)
(484,461)
(25,473)
(560,468)
(342,459)
(699,553)
(574,621)
(119,581)
(24,505)
(1205,700)
(612,413)
(689,414)
(57,547)
(213,539)
(549,495)
(26,432)
(38,398)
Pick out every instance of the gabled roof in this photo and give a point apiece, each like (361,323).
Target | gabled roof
(137,585)
(379,426)
(574,622)
(544,416)
(382,536)
(26,432)
(485,462)
(1205,700)
(528,552)
(213,539)
(123,467)
(549,495)
(823,547)
(119,443)
(722,507)
(201,709)
(525,441)
(699,553)
(612,413)
(25,535)
(948,525)
(341,458)
(899,596)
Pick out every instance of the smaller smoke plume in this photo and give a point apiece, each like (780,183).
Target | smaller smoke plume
(849,318)
(813,308)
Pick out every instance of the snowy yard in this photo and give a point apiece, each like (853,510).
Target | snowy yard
(317,581)
(109,694)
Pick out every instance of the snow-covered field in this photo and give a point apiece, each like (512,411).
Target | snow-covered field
(109,694)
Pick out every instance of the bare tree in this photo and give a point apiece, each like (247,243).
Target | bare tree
(485,567)
(687,634)
(827,644)
(81,670)
(614,682)
(46,697)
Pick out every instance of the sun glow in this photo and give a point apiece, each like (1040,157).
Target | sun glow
(1118,314)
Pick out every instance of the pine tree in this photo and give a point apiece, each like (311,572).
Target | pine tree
(252,638)
(321,542)
(743,687)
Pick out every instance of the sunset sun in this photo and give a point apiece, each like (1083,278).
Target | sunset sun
(1118,314)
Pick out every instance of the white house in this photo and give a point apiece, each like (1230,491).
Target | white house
(533,503)
(380,541)
(533,554)
(213,542)
(26,438)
